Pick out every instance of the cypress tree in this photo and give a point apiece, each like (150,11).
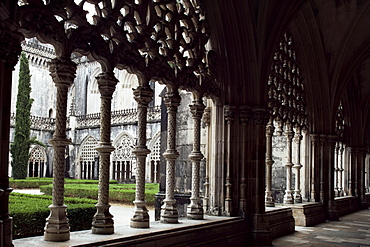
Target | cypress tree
(19,149)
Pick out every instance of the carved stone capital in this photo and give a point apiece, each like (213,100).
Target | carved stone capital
(261,115)
(62,71)
(143,96)
(10,47)
(314,139)
(245,114)
(172,101)
(331,139)
(207,116)
(229,113)
(197,109)
(107,83)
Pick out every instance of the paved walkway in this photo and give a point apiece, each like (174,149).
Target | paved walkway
(350,230)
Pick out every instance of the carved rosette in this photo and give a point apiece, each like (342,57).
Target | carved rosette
(195,209)
(169,213)
(140,219)
(62,72)
(103,220)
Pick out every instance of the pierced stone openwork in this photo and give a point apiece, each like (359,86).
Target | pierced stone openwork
(88,159)
(37,165)
(287,104)
(339,169)
(122,159)
(154,160)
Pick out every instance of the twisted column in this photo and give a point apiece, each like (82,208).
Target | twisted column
(288,197)
(229,117)
(195,209)
(269,199)
(169,213)
(140,219)
(103,220)
(298,166)
(57,228)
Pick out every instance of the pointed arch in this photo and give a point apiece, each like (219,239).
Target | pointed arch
(122,160)
(152,169)
(87,159)
(37,162)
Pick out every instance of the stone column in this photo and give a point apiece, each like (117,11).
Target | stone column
(62,71)
(298,166)
(336,170)
(288,197)
(195,209)
(322,168)
(314,164)
(207,122)
(261,231)
(351,162)
(103,220)
(340,169)
(10,49)
(269,199)
(330,185)
(245,115)
(143,96)
(169,213)
(229,117)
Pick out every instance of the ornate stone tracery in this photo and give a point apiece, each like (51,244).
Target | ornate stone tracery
(287,103)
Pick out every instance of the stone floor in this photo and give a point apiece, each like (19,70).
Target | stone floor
(350,230)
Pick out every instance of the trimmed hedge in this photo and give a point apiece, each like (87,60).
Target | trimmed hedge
(30,211)
(123,193)
(37,182)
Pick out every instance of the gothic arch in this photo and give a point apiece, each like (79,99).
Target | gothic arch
(93,95)
(37,163)
(152,168)
(123,162)
(87,165)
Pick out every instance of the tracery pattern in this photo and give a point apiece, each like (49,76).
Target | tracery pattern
(87,157)
(287,102)
(122,159)
(37,162)
(339,168)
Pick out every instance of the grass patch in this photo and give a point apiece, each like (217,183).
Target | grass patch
(37,182)
(30,211)
(123,193)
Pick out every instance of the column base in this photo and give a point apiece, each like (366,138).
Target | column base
(169,213)
(57,227)
(288,198)
(261,231)
(195,211)
(103,221)
(140,219)
(227,207)
(297,197)
(333,213)
(269,200)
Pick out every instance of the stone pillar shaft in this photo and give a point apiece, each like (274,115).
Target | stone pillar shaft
(195,209)
(298,166)
(336,170)
(57,228)
(269,199)
(10,50)
(288,197)
(340,169)
(169,213)
(229,117)
(314,149)
(103,220)
(143,96)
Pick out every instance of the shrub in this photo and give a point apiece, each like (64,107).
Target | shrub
(32,210)
(123,193)
(37,182)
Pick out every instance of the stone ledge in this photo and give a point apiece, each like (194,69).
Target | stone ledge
(346,204)
(281,221)
(308,214)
